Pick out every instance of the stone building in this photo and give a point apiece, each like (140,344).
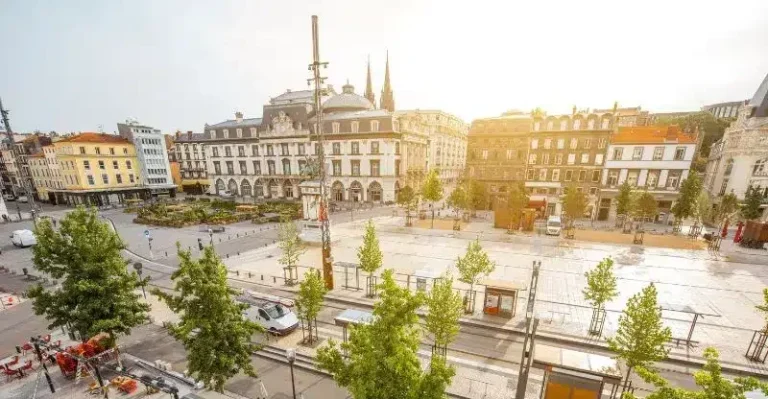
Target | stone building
(189,152)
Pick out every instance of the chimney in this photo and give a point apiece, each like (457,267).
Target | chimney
(189,135)
(239,117)
(671,133)
(178,133)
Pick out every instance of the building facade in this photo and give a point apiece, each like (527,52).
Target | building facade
(45,172)
(651,158)
(567,150)
(17,178)
(738,160)
(725,110)
(189,152)
(152,153)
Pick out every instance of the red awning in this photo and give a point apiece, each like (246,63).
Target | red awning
(537,204)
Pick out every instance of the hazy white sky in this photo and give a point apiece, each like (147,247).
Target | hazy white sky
(177,64)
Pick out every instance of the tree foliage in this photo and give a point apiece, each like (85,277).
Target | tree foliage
(476,195)
(624,199)
(444,310)
(574,204)
(432,189)
(764,308)
(711,127)
(310,298)
(750,209)
(457,200)
(710,380)
(685,206)
(382,359)
(97,290)
(474,265)
(369,255)
(408,200)
(644,205)
(601,284)
(703,207)
(641,335)
(212,328)
(517,200)
(289,242)
(728,205)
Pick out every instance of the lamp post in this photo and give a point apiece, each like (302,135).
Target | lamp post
(210,234)
(290,354)
(138,267)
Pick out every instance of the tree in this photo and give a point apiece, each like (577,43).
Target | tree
(369,255)
(382,360)
(600,289)
(645,206)
(292,248)
(685,206)
(408,200)
(517,201)
(96,293)
(476,195)
(764,308)
(310,300)
(710,380)
(624,199)
(432,191)
(444,310)
(640,338)
(457,200)
(703,207)
(212,328)
(750,210)
(574,204)
(711,127)
(728,206)
(472,267)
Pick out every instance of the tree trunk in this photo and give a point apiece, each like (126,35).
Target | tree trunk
(471,303)
(433,217)
(626,380)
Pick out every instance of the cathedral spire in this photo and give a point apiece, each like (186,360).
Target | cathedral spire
(369,85)
(387,96)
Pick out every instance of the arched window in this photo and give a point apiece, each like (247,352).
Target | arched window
(245,188)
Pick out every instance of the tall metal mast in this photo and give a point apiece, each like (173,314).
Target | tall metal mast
(318,80)
(16,155)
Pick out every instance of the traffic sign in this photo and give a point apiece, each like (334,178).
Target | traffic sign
(146,233)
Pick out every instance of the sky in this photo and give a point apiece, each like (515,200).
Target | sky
(177,64)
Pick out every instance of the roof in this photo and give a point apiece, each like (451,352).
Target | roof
(373,113)
(90,137)
(347,100)
(760,100)
(188,138)
(652,135)
(290,96)
(235,123)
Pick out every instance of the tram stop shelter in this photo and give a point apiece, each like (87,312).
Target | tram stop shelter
(501,297)
(354,317)
(572,374)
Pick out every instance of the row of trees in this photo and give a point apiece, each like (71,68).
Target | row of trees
(468,195)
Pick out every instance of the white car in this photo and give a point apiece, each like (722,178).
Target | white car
(23,199)
(271,312)
(554,225)
(9,197)
(23,238)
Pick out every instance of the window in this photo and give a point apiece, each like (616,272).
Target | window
(374,126)
(632,177)
(724,187)
(534,144)
(679,153)
(558,159)
(336,168)
(606,123)
(355,148)
(585,158)
(253,132)
(547,143)
(658,153)
(568,175)
(82,150)
(230,168)
(284,149)
(613,177)
(286,167)
(239,132)
(271,168)
(545,158)
(243,168)
(582,175)
(674,178)
(601,143)
(111,150)
(217,167)
(127,164)
(317,149)
(560,144)
(90,180)
(571,159)
(617,153)
(564,124)
(98,150)
(529,174)
(114,165)
(355,167)
(226,133)
(375,168)
(550,125)
(254,150)
(591,124)
(257,167)
(556,175)
(637,153)
(598,159)
(336,148)
(374,147)
(595,175)
(227,151)
(86,165)
(270,150)
(335,127)
(532,159)
(301,148)
(240,151)
(509,154)
(574,143)
(653,178)
(105,178)
(592,191)
(355,126)
(485,154)
(542,174)
(215,152)
(130,177)
(101,165)
(536,126)
(587,144)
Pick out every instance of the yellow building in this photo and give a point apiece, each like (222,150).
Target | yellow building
(97,169)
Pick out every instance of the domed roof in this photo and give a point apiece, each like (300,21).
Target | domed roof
(347,100)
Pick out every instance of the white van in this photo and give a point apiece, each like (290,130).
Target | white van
(23,238)
(273,313)
(554,225)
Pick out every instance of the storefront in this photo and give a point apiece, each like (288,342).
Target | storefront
(501,298)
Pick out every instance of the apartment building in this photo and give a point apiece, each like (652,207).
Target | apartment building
(15,169)
(152,153)
(45,172)
(652,158)
(189,152)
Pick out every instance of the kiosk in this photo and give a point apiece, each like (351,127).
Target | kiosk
(501,297)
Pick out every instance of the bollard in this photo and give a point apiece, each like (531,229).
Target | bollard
(166,253)
(274,280)
(262,277)
(237,235)
(219,239)
(237,272)
(227,256)
(238,253)
(249,274)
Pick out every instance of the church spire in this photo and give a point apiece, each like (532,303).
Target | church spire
(369,85)
(387,96)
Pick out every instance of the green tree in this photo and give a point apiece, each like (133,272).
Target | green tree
(96,293)
(645,206)
(574,204)
(624,199)
(292,248)
(457,200)
(685,206)
(750,209)
(727,207)
(601,284)
(444,310)
(310,300)
(212,328)
(640,338)
(708,125)
(517,201)
(381,359)
(369,255)
(710,380)
(703,207)
(408,200)
(764,308)
(432,191)
(474,265)
(476,195)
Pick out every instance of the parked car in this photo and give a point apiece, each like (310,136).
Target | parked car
(554,225)
(273,313)
(226,194)
(9,197)
(23,238)
(23,199)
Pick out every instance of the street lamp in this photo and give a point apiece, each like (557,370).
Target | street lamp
(210,234)
(290,354)
(138,266)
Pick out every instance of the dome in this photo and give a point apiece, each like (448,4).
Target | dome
(347,100)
